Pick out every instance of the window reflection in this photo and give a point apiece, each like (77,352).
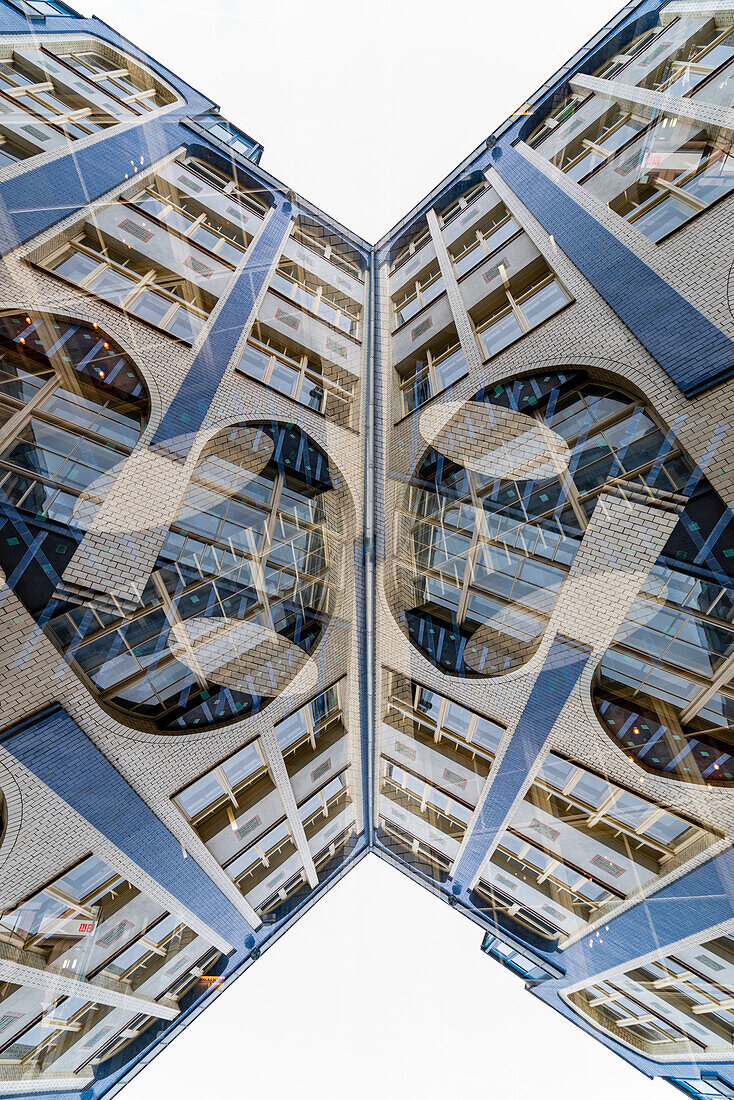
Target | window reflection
(679,1004)
(237,599)
(657,173)
(72,406)
(237,811)
(92,925)
(578,846)
(436,756)
(482,558)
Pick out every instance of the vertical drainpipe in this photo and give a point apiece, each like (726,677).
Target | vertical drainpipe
(368,562)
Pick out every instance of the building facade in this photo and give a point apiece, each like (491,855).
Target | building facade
(314,548)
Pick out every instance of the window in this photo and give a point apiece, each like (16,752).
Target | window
(91,925)
(659,183)
(439,366)
(481,558)
(231,135)
(140,287)
(69,418)
(436,756)
(608,70)
(579,845)
(688,72)
(338,252)
(237,599)
(615,129)
(51,8)
(665,687)
(223,784)
(39,97)
(559,115)
(678,1004)
(513,959)
(307,723)
(298,375)
(493,233)
(615,64)
(11,152)
(517,308)
(307,736)
(413,297)
(237,811)
(407,248)
(137,90)
(167,234)
(185,216)
(317,297)
(236,189)
(702,1088)
(328,818)
(457,205)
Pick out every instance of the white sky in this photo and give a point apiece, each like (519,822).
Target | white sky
(381,990)
(363,106)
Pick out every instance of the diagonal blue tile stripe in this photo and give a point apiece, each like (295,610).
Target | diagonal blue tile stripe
(185,415)
(687,907)
(692,351)
(53,747)
(29,206)
(556,680)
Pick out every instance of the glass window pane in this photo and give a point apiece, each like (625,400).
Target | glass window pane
(543,303)
(151,307)
(284,379)
(185,325)
(254,362)
(663,218)
(500,334)
(75,267)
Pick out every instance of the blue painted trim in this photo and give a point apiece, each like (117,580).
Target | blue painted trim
(185,415)
(54,748)
(556,680)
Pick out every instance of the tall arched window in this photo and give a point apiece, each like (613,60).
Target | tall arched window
(495,512)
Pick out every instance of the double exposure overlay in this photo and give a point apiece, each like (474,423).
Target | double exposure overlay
(313,549)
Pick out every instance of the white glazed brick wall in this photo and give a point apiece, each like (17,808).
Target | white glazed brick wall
(721,10)
(44,836)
